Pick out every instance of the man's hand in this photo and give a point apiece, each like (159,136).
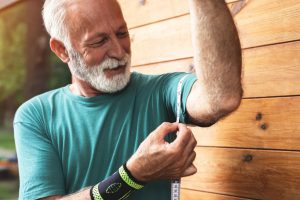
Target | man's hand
(157,159)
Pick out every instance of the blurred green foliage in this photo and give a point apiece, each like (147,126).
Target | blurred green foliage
(14,30)
(9,190)
(59,73)
(12,47)
(7,139)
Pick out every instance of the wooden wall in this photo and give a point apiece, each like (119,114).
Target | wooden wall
(255,152)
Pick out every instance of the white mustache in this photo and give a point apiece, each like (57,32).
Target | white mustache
(111,63)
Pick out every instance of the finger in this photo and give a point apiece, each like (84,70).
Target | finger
(189,171)
(189,148)
(190,159)
(164,129)
(183,136)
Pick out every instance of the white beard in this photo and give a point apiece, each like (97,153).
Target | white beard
(95,76)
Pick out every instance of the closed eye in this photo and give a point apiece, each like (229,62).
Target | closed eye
(122,34)
(99,42)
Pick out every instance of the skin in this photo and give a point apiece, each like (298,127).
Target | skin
(217,61)
(94,35)
(215,94)
(163,157)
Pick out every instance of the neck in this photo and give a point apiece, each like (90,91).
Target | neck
(82,88)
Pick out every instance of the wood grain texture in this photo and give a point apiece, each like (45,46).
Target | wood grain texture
(196,195)
(267,71)
(255,152)
(272,70)
(260,22)
(269,175)
(258,123)
(183,65)
(138,13)
(163,41)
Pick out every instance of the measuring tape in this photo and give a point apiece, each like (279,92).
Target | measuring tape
(175,185)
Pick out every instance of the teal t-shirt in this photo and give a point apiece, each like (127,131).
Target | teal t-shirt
(66,142)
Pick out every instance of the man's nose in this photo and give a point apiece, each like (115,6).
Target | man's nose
(116,50)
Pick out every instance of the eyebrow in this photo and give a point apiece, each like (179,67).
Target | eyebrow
(101,34)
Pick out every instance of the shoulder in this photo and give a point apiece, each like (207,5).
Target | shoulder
(139,77)
(35,107)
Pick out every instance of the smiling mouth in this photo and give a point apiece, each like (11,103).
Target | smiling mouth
(116,67)
(115,71)
(119,67)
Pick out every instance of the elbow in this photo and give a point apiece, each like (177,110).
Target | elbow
(235,101)
(207,113)
(228,105)
(219,110)
(231,104)
(205,120)
(205,123)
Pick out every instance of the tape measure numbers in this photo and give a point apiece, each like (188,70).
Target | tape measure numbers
(175,185)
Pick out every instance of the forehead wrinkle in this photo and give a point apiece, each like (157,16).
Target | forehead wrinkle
(75,20)
(80,15)
(85,20)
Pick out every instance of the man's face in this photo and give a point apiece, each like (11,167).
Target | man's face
(101,44)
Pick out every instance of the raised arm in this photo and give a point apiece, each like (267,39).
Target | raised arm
(217,61)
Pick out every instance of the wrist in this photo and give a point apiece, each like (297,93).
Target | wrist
(121,184)
(135,171)
(135,178)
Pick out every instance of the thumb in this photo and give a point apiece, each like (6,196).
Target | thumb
(164,129)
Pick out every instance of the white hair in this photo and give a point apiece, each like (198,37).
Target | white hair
(54,16)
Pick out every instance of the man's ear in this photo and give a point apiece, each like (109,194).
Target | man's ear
(59,49)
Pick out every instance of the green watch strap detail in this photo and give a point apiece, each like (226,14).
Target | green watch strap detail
(96,193)
(128,180)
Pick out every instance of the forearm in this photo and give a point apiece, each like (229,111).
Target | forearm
(217,52)
(81,195)
(120,185)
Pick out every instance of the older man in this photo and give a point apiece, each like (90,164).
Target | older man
(70,141)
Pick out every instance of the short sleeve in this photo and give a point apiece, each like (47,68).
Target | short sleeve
(39,166)
(170,85)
